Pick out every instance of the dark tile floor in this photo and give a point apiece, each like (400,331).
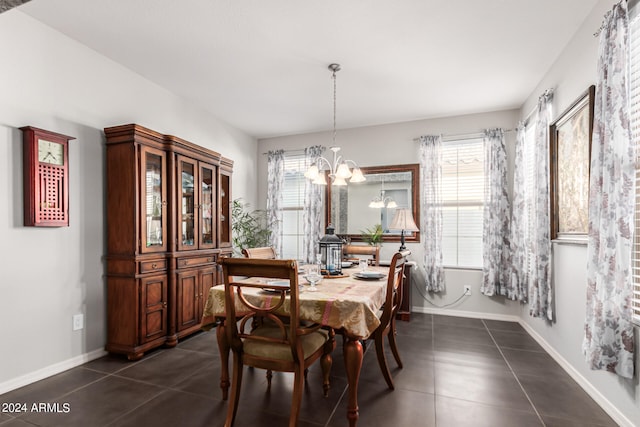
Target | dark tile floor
(457,372)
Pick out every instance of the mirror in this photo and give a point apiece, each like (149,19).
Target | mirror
(348,207)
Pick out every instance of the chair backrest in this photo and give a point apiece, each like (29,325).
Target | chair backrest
(395,280)
(262,271)
(373,251)
(266,252)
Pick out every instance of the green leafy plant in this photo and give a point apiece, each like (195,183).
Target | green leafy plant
(249,227)
(373,235)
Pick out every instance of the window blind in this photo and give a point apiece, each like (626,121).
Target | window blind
(635,133)
(462,200)
(293,205)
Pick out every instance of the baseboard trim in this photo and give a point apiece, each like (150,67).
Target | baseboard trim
(592,391)
(470,314)
(50,370)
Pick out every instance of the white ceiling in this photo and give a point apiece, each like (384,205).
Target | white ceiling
(261,65)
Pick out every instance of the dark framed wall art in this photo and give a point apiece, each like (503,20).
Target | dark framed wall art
(570,155)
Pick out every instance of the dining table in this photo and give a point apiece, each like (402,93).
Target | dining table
(348,303)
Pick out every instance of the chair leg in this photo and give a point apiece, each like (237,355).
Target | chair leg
(393,344)
(224,350)
(326,361)
(236,382)
(382,360)
(269,376)
(296,399)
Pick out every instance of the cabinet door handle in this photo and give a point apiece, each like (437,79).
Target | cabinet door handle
(154,265)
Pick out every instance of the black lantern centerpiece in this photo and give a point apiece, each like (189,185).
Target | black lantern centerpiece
(330,253)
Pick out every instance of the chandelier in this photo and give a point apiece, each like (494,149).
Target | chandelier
(383,202)
(340,169)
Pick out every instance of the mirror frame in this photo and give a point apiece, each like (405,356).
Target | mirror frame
(414,169)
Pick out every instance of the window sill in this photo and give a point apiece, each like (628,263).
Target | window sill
(454,267)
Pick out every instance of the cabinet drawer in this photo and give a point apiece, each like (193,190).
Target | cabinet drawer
(149,266)
(196,261)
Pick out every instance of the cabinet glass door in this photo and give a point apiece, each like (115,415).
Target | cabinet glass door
(225,208)
(208,176)
(154,209)
(187,218)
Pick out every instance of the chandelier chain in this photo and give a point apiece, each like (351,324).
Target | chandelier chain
(334,106)
(340,169)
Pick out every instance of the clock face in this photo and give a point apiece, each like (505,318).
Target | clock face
(50,152)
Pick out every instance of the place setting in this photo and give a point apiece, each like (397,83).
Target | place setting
(366,274)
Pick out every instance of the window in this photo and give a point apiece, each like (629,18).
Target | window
(293,205)
(635,132)
(462,200)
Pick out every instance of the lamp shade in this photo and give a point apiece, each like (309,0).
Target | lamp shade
(403,220)
(357,176)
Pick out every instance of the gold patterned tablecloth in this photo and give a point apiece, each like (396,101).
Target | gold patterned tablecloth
(346,303)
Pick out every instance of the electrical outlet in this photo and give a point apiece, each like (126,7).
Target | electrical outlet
(78,322)
(467,290)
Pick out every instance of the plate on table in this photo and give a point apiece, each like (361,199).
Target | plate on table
(281,283)
(347,264)
(369,275)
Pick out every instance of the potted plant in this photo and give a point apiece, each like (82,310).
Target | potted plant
(249,227)
(373,235)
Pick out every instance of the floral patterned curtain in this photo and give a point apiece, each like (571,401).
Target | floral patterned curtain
(431,210)
(495,223)
(540,294)
(517,287)
(275,183)
(608,340)
(312,214)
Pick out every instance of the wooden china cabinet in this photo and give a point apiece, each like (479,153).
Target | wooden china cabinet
(167,215)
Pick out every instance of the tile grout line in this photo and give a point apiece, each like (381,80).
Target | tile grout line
(433,350)
(136,408)
(335,408)
(513,373)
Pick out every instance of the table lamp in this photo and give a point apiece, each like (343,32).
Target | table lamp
(403,221)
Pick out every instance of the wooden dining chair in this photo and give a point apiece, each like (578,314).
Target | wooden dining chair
(368,250)
(387,315)
(273,345)
(266,252)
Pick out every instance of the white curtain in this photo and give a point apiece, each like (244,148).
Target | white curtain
(431,210)
(313,205)
(496,213)
(517,287)
(609,336)
(540,293)
(275,183)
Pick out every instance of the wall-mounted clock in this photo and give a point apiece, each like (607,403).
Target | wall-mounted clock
(46,177)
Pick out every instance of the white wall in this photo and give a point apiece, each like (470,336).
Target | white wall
(570,76)
(48,274)
(394,144)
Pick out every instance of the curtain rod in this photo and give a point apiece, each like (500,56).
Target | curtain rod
(462,136)
(599,30)
(296,151)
